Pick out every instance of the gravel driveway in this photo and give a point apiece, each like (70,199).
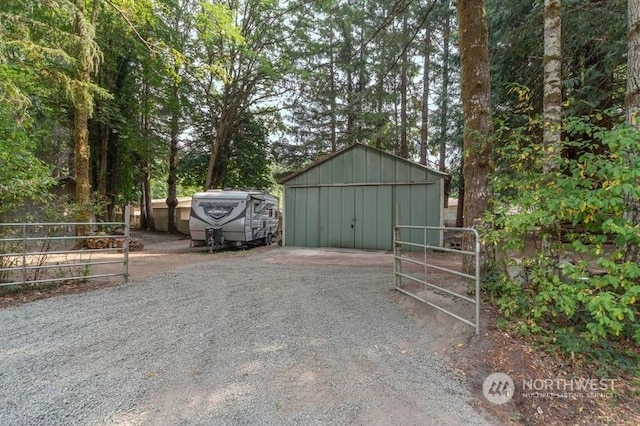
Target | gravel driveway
(238,340)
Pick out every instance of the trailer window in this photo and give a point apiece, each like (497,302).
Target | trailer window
(270,212)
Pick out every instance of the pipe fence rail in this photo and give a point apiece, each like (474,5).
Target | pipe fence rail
(406,236)
(39,253)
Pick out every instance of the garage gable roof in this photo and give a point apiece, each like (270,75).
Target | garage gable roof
(353,146)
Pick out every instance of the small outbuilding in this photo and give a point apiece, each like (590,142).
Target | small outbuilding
(349,199)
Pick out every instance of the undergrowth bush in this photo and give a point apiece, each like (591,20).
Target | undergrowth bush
(566,242)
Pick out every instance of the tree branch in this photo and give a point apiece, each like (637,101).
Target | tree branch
(149,45)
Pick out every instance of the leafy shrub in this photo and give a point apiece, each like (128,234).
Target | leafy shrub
(567,242)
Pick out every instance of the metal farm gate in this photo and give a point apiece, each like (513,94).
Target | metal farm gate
(40,253)
(428,276)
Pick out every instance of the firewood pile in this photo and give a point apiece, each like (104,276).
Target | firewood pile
(135,244)
(104,241)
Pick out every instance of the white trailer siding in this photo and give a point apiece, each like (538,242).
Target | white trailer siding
(243,216)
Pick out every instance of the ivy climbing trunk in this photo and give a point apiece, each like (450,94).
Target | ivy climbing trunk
(81,156)
(87,60)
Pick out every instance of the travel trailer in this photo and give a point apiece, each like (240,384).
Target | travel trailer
(233,218)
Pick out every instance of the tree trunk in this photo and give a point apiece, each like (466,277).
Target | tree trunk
(143,208)
(404,145)
(633,64)
(350,109)
(224,130)
(172,198)
(444,110)
(633,104)
(360,87)
(476,91)
(460,209)
(332,88)
(81,111)
(424,129)
(148,205)
(213,158)
(552,99)
(148,221)
(103,165)
(81,154)
(220,139)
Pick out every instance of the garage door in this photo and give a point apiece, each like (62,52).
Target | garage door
(340,216)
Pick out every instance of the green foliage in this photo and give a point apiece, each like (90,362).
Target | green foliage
(567,242)
(22,175)
(245,161)
(594,53)
(248,163)
(159,186)
(216,21)
(347,67)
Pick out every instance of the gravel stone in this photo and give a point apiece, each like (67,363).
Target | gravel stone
(234,341)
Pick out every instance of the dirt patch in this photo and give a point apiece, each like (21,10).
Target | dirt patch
(331,256)
(161,253)
(551,376)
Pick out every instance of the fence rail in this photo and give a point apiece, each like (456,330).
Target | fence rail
(37,253)
(422,277)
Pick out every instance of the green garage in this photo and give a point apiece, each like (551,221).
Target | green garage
(350,198)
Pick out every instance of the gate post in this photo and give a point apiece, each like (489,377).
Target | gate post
(397,250)
(127,238)
(477,250)
(24,252)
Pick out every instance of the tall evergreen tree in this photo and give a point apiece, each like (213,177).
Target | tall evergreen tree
(88,60)
(476,91)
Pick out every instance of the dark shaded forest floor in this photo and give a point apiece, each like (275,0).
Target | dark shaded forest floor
(495,350)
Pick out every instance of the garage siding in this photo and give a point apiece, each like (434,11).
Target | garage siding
(348,200)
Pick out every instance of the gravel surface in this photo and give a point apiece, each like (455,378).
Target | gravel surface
(238,340)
